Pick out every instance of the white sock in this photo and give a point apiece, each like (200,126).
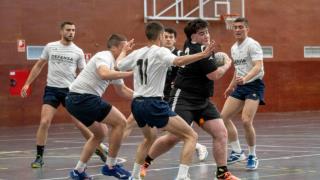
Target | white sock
(198,146)
(136,171)
(104,147)
(183,171)
(111,161)
(252,150)
(235,146)
(80,166)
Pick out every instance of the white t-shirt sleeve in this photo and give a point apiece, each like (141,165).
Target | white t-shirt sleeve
(255,51)
(127,62)
(102,62)
(45,53)
(167,56)
(81,62)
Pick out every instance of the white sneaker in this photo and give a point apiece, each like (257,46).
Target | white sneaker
(202,152)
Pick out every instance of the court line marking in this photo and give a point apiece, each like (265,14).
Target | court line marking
(62,148)
(140,136)
(213,164)
(178,145)
(16,152)
(77,156)
(282,174)
(73,130)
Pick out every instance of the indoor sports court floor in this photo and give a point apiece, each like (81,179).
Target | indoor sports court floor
(288,145)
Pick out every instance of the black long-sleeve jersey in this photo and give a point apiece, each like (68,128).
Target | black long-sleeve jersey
(171,75)
(192,79)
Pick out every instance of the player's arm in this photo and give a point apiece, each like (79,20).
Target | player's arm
(108,74)
(81,63)
(123,91)
(231,86)
(233,82)
(256,53)
(35,71)
(188,59)
(125,64)
(220,71)
(257,66)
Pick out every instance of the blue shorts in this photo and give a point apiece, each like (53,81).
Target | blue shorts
(55,96)
(253,90)
(151,111)
(87,108)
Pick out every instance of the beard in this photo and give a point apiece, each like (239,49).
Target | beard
(68,38)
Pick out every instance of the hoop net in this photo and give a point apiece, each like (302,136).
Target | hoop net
(228,19)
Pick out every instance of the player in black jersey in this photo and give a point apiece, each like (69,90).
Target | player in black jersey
(193,88)
(169,41)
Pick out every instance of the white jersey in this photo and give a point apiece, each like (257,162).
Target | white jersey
(88,81)
(62,63)
(149,65)
(243,56)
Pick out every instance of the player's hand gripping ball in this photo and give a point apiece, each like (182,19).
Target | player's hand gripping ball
(220,58)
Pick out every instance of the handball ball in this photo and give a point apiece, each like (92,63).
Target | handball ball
(219,58)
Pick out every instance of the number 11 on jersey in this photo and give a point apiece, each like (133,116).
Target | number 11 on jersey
(143,67)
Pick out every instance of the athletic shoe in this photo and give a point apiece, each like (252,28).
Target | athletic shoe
(227,176)
(252,162)
(74,174)
(116,171)
(236,157)
(202,153)
(37,163)
(101,155)
(106,151)
(143,169)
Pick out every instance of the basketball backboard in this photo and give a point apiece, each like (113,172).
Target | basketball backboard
(180,10)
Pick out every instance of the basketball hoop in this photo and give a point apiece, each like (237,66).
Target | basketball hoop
(228,19)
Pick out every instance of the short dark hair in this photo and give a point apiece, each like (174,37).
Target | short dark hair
(243,20)
(171,31)
(193,26)
(153,30)
(115,40)
(65,23)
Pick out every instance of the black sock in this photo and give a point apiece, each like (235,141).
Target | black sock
(40,150)
(148,160)
(221,170)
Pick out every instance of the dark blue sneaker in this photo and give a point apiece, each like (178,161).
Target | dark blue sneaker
(74,174)
(116,171)
(252,162)
(236,157)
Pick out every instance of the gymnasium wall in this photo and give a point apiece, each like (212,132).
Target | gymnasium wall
(292,82)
